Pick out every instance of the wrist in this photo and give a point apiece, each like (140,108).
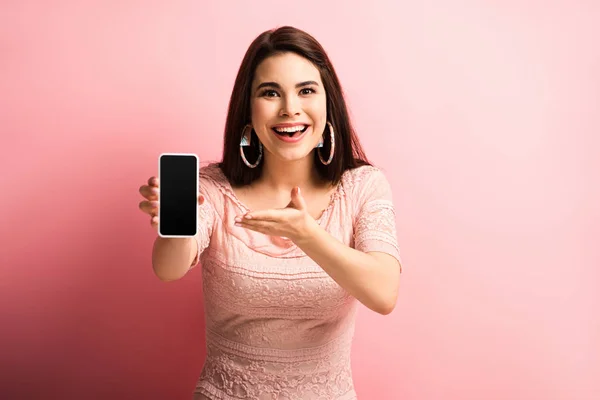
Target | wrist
(310,230)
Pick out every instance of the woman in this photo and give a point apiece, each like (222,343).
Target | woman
(296,228)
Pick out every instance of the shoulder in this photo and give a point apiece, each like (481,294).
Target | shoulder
(363,177)
(212,180)
(366,183)
(211,172)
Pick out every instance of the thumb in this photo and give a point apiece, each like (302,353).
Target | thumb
(297,199)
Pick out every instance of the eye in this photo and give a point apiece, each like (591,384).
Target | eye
(310,90)
(269,93)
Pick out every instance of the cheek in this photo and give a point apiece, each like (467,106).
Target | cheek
(318,113)
(317,110)
(321,110)
(258,112)
(261,115)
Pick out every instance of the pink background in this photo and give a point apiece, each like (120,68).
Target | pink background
(485,116)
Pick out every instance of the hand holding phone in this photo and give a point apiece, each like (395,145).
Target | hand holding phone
(178,174)
(174,202)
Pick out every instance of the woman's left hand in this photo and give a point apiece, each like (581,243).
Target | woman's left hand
(293,221)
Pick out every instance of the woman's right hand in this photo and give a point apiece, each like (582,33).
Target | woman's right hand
(150,205)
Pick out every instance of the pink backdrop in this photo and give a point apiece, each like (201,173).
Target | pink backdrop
(485,116)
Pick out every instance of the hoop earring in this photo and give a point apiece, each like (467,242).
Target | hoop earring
(331,150)
(245,142)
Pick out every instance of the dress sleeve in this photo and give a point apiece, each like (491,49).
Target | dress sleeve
(375,221)
(206,222)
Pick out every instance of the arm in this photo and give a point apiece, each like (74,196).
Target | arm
(172,258)
(370,269)
(372,277)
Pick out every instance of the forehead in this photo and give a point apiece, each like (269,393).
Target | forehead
(286,69)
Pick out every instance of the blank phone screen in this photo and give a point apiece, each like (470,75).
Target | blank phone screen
(178,186)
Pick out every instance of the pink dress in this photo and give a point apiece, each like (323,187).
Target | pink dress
(277,326)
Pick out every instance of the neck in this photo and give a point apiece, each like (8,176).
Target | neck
(281,175)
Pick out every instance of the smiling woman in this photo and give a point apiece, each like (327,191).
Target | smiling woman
(296,229)
(286,112)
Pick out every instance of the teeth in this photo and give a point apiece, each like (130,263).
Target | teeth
(290,129)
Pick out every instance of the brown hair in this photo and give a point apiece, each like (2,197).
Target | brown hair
(348,152)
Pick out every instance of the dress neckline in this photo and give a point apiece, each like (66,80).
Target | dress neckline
(333,197)
(271,246)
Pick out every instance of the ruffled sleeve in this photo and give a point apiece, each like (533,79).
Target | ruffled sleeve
(375,219)
(206,218)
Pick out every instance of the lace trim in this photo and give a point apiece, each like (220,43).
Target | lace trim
(214,173)
(258,267)
(235,371)
(277,312)
(206,214)
(298,296)
(208,390)
(340,344)
(376,227)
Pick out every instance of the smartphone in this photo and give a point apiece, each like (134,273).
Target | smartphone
(178,175)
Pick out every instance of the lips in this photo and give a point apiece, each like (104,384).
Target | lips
(295,135)
(290,131)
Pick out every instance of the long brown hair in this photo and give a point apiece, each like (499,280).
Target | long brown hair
(348,152)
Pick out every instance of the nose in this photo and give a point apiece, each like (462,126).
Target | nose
(290,107)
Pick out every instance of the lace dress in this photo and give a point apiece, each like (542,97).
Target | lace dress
(277,326)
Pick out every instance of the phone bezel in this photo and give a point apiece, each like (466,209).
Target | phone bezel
(197,191)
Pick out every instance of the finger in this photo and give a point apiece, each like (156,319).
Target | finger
(149,207)
(153,181)
(149,192)
(265,215)
(154,222)
(297,199)
(201,200)
(256,226)
(259,226)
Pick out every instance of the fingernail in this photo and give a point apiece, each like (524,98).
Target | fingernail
(238,224)
(248,216)
(238,219)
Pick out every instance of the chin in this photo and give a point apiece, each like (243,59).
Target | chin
(292,154)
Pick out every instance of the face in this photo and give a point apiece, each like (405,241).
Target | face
(289,106)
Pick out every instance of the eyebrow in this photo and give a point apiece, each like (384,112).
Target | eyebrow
(278,86)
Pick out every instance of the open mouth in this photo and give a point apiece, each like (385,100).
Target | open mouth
(291,132)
